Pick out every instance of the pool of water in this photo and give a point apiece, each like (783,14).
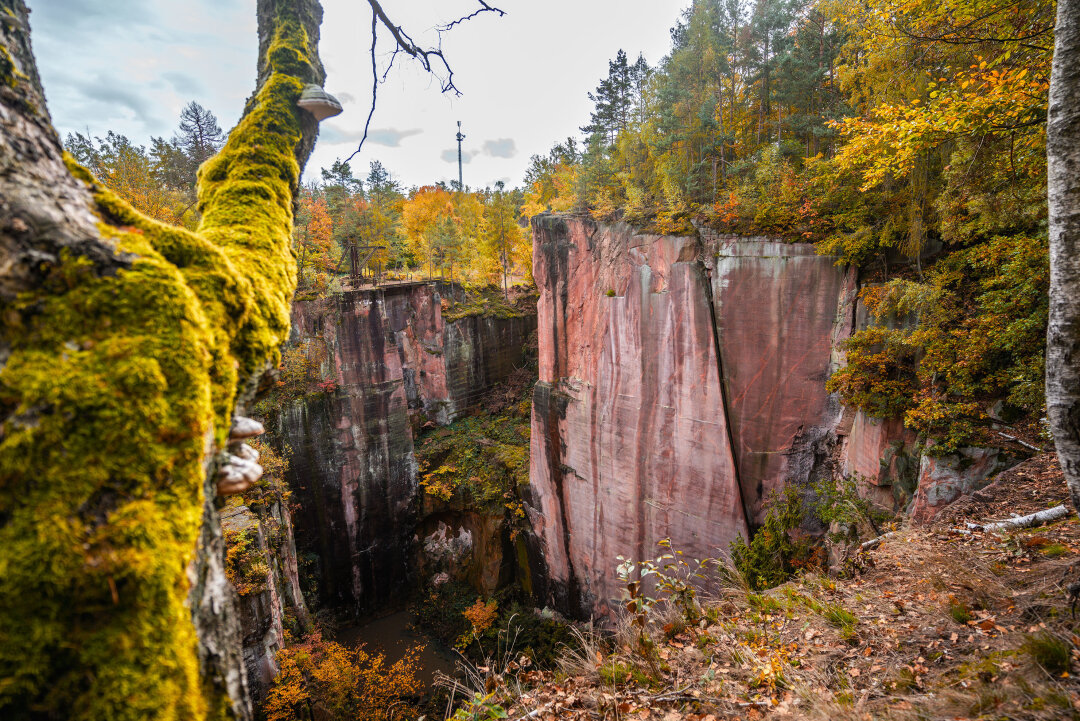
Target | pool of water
(394,635)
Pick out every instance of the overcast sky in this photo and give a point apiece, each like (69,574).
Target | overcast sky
(131,65)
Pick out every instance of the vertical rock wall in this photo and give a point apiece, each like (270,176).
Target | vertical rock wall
(398,365)
(780,309)
(681,380)
(263,609)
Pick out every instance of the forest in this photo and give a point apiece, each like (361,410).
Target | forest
(424,231)
(757,396)
(908,139)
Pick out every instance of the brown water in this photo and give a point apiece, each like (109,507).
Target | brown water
(394,636)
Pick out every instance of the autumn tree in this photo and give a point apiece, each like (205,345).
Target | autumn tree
(132,173)
(312,236)
(323,679)
(421,215)
(501,234)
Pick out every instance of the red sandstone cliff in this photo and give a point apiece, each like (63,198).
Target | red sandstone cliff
(397,363)
(681,380)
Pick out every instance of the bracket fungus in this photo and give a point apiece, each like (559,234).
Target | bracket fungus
(319,103)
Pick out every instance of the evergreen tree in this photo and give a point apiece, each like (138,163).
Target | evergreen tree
(200,135)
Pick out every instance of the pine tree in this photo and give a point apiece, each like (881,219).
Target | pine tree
(200,135)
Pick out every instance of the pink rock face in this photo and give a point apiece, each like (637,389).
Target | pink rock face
(631,440)
(397,364)
(943,479)
(777,319)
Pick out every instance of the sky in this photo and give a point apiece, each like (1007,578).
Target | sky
(131,65)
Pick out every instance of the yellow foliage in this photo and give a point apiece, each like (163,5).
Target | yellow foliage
(334,682)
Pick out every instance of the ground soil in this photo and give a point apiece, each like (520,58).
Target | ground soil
(936,621)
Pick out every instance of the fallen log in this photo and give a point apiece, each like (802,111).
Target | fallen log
(1029,521)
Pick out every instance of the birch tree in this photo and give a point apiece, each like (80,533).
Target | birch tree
(1063,182)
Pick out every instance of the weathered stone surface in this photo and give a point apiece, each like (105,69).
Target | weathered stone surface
(262,613)
(630,440)
(943,479)
(682,379)
(780,308)
(884,456)
(352,466)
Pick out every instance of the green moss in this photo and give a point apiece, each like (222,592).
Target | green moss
(481,460)
(489,301)
(959,610)
(113,384)
(9,74)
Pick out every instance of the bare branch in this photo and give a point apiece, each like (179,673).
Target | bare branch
(485,9)
(374,84)
(431,59)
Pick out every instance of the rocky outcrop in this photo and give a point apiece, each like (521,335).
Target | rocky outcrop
(681,380)
(944,479)
(275,601)
(394,365)
(883,456)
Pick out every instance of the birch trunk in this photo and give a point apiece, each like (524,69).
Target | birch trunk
(1063,184)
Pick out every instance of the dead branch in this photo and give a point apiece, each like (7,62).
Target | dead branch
(1028,521)
(431,59)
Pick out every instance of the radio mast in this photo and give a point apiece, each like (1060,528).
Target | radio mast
(460,137)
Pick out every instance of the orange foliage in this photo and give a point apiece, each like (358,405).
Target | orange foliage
(323,679)
(313,234)
(480,616)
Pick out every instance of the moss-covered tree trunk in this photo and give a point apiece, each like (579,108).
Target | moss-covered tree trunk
(126,347)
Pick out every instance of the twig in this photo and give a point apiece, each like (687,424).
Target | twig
(430,58)
(875,542)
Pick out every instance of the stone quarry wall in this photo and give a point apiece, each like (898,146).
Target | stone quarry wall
(398,365)
(682,381)
(263,610)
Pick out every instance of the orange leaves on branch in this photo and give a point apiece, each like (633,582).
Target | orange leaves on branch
(332,681)
(480,616)
(1001,89)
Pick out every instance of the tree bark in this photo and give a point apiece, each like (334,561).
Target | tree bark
(125,349)
(1063,185)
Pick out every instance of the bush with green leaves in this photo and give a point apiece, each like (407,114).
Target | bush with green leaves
(772,556)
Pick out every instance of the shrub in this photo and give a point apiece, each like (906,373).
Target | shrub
(772,557)
(326,680)
(245,561)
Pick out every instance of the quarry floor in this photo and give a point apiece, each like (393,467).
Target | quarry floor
(931,624)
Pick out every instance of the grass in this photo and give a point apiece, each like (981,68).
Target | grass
(1049,651)
(615,673)
(959,611)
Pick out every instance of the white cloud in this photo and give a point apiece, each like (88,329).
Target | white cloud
(131,65)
